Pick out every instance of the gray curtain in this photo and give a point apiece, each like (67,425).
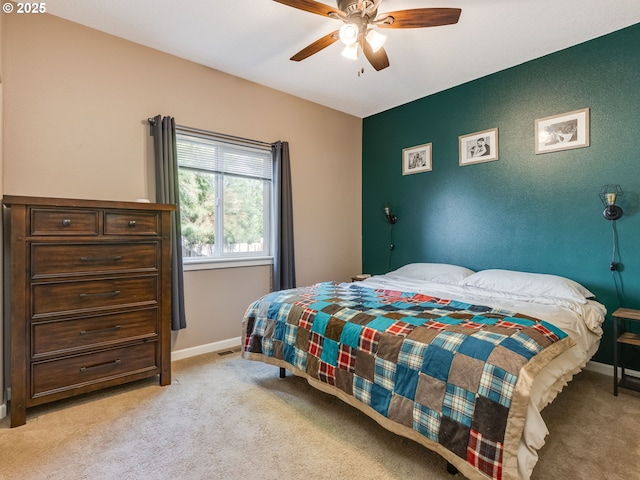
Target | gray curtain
(284,268)
(163,130)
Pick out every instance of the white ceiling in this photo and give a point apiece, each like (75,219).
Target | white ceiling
(253,39)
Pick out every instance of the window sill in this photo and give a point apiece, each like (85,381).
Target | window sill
(210,264)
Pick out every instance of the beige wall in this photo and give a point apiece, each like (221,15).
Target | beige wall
(76,104)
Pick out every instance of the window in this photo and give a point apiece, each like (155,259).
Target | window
(225,197)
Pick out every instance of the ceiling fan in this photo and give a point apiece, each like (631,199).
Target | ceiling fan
(359,16)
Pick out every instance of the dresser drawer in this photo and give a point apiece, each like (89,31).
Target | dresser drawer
(63,259)
(64,222)
(131,223)
(81,370)
(72,297)
(91,332)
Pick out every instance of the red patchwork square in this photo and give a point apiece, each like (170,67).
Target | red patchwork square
(400,328)
(435,325)
(306,319)
(485,455)
(327,373)
(546,332)
(315,344)
(507,324)
(369,339)
(347,358)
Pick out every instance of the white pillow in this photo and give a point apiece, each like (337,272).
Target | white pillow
(433,272)
(534,284)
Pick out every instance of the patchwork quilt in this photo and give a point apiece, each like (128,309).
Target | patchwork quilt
(454,376)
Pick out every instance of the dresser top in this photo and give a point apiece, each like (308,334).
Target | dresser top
(9,200)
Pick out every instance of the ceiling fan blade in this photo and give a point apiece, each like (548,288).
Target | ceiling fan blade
(378,60)
(316,46)
(311,6)
(418,17)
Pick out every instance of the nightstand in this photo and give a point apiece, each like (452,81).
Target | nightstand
(624,316)
(360,277)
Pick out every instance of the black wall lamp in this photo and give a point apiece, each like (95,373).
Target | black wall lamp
(388,212)
(392,219)
(609,195)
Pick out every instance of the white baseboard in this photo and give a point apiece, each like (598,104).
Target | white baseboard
(3,410)
(607,369)
(208,348)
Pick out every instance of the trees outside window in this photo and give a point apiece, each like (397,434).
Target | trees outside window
(225,198)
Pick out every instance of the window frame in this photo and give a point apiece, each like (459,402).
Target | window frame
(234,259)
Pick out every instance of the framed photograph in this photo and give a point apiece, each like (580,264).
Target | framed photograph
(416,159)
(562,132)
(478,147)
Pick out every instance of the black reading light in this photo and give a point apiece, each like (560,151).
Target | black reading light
(388,212)
(609,195)
(391,219)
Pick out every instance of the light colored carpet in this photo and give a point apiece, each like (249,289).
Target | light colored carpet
(228,418)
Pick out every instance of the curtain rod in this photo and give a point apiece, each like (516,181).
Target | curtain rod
(221,136)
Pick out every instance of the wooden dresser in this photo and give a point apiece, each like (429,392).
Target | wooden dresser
(89,294)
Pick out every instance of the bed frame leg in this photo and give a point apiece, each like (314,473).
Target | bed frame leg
(451,469)
(283,372)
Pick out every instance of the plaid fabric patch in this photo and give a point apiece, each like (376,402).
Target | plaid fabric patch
(426,421)
(492,337)
(498,385)
(346,358)
(449,340)
(283,311)
(436,325)
(315,344)
(527,342)
(290,334)
(267,346)
(362,389)
(412,354)
(369,339)
(346,314)
(327,373)
(471,325)
(400,328)
(546,332)
(508,324)
(306,319)
(459,404)
(306,301)
(300,359)
(385,373)
(485,455)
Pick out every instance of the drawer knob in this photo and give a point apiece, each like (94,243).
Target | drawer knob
(132,223)
(66,222)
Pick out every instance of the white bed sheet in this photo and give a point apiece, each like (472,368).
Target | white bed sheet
(582,322)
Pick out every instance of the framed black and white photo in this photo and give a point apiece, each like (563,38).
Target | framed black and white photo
(478,147)
(562,132)
(416,159)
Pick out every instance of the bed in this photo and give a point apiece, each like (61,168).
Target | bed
(462,362)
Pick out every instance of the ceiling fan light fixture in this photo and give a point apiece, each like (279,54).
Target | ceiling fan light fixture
(375,40)
(350,51)
(349,34)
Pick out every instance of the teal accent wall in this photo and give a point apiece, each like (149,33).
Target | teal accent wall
(536,213)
